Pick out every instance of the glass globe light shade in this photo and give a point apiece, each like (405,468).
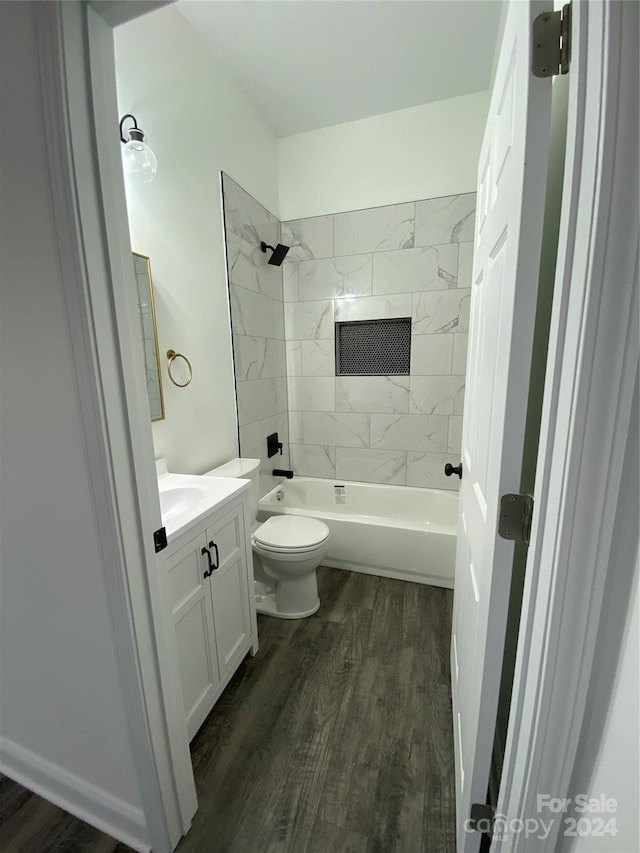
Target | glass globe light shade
(139,161)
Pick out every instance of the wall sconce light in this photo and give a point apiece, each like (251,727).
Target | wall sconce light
(139,160)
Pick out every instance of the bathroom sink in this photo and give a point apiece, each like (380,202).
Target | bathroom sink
(186,498)
(178,500)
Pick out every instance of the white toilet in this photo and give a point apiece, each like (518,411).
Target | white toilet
(287,550)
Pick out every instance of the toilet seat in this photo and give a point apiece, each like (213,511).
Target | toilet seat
(287,553)
(291,534)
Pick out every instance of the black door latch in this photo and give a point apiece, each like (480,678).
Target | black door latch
(160,539)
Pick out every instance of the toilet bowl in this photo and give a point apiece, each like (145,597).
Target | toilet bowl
(287,550)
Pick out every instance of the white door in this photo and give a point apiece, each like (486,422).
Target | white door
(511,187)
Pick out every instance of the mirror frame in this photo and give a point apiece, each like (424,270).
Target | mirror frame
(152,306)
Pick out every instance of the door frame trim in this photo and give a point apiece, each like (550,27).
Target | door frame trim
(157,644)
(572,422)
(88,204)
(591,372)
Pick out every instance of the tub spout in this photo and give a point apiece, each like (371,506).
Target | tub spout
(282,472)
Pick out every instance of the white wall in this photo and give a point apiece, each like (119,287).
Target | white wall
(63,725)
(416,153)
(616,768)
(198,122)
(609,751)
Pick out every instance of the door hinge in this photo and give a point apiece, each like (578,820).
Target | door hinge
(516,514)
(160,539)
(481,818)
(551,43)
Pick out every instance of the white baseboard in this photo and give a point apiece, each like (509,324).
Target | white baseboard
(75,795)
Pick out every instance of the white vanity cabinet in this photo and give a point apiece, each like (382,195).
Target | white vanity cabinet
(209,589)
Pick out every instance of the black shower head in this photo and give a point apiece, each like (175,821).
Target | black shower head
(278,254)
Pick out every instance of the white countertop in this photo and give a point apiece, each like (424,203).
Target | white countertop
(186,498)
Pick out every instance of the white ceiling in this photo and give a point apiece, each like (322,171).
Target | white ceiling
(307,64)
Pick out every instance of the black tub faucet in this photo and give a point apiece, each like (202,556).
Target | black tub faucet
(282,472)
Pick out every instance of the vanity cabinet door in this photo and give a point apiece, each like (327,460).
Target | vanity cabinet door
(229,589)
(192,617)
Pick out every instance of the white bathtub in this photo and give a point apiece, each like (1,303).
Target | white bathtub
(392,531)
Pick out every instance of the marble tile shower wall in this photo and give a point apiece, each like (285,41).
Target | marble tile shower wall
(404,260)
(257,321)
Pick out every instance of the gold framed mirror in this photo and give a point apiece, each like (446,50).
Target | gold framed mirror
(149,330)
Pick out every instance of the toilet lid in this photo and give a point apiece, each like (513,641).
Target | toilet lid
(291,531)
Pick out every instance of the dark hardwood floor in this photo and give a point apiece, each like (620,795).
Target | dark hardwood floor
(336,738)
(29,824)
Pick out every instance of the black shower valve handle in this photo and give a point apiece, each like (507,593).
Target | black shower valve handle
(273,445)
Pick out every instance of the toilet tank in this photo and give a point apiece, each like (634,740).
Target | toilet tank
(242,469)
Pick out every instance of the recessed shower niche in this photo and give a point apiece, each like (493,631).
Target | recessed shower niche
(374,347)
